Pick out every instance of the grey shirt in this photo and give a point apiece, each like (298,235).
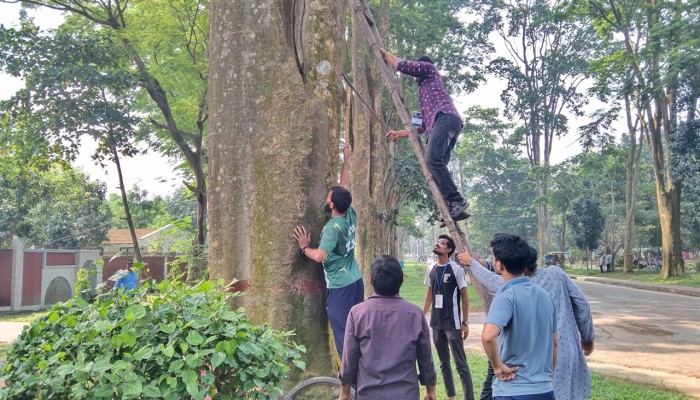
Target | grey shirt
(385,337)
(572,379)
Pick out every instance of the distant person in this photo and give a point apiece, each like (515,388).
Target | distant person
(129,280)
(520,332)
(601,263)
(608,261)
(441,123)
(385,337)
(572,378)
(336,251)
(449,316)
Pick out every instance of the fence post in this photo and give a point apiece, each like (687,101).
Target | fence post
(17,273)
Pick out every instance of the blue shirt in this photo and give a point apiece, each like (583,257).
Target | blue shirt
(128,282)
(525,314)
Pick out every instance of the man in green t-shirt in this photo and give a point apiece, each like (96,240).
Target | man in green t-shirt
(336,252)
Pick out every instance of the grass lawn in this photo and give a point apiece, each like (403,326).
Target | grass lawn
(22,316)
(413,290)
(689,279)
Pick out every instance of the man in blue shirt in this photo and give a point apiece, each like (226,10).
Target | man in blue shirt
(128,281)
(520,332)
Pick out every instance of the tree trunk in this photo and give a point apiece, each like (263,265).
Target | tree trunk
(542,219)
(371,165)
(670,216)
(631,180)
(125,203)
(275,76)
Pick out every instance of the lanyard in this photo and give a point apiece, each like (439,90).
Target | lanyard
(439,281)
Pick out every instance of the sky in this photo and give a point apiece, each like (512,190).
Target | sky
(155,173)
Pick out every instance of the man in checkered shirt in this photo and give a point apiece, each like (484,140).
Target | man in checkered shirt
(441,124)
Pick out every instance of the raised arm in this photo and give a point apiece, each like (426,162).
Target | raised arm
(490,279)
(390,58)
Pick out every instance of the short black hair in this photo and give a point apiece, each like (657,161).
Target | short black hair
(341,198)
(425,58)
(532,260)
(387,275)
(512,251)
(450,243)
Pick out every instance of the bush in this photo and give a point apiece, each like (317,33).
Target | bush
(178,342)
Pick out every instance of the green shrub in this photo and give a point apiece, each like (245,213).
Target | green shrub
(169,341)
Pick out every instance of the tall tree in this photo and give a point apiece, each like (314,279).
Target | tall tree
(586,221)
(658,39)
(74,88)
(547,57)
(275,98)
(165,42)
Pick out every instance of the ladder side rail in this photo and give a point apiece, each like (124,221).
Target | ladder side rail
(363,14)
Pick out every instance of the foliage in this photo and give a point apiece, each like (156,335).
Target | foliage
(499,178)
(145,212)
(178,342)
(586,223)
(56,207)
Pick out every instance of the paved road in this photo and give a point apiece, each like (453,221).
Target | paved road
(641,335)
(650,336)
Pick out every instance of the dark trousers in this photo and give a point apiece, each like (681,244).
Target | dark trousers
(486,391)
(441,140)
(601,268)
(607,267)
(446,340)
(540,396)
(338,304)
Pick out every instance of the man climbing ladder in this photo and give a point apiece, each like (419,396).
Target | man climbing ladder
(440,122)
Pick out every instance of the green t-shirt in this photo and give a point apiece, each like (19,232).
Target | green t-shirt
(338,241)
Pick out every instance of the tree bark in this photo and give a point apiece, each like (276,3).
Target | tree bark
(275,76)
(371,165)
(631,180)
(127,211)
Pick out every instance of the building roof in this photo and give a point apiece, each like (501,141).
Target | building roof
(123,236)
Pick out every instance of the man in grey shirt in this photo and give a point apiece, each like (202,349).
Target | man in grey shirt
(385,337)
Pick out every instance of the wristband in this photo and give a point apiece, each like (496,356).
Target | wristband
(304,248)
(465,323)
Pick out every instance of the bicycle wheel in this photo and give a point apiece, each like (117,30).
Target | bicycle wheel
(319,388)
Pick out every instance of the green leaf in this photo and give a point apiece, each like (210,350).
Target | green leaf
(80,302)
(151,390)
(135,311)
(194,338)
(169,350)
(143,352)
(53,317)
(217,359)
(189,376)
(132,388)
(103,391)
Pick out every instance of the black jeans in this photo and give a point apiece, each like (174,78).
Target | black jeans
(446,340)
(487,392)
(442,139)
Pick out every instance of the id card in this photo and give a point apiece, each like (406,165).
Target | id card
(438,301)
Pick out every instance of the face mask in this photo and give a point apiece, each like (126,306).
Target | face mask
(327,208)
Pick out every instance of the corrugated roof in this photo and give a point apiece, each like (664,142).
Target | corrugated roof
(123,236)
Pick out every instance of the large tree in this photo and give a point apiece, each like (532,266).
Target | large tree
(546,57)
(275,95)
(165,43)
(657,41)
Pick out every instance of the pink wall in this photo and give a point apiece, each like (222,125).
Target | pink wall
(155,267)
(5,278)
(60,259)
(31,279)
